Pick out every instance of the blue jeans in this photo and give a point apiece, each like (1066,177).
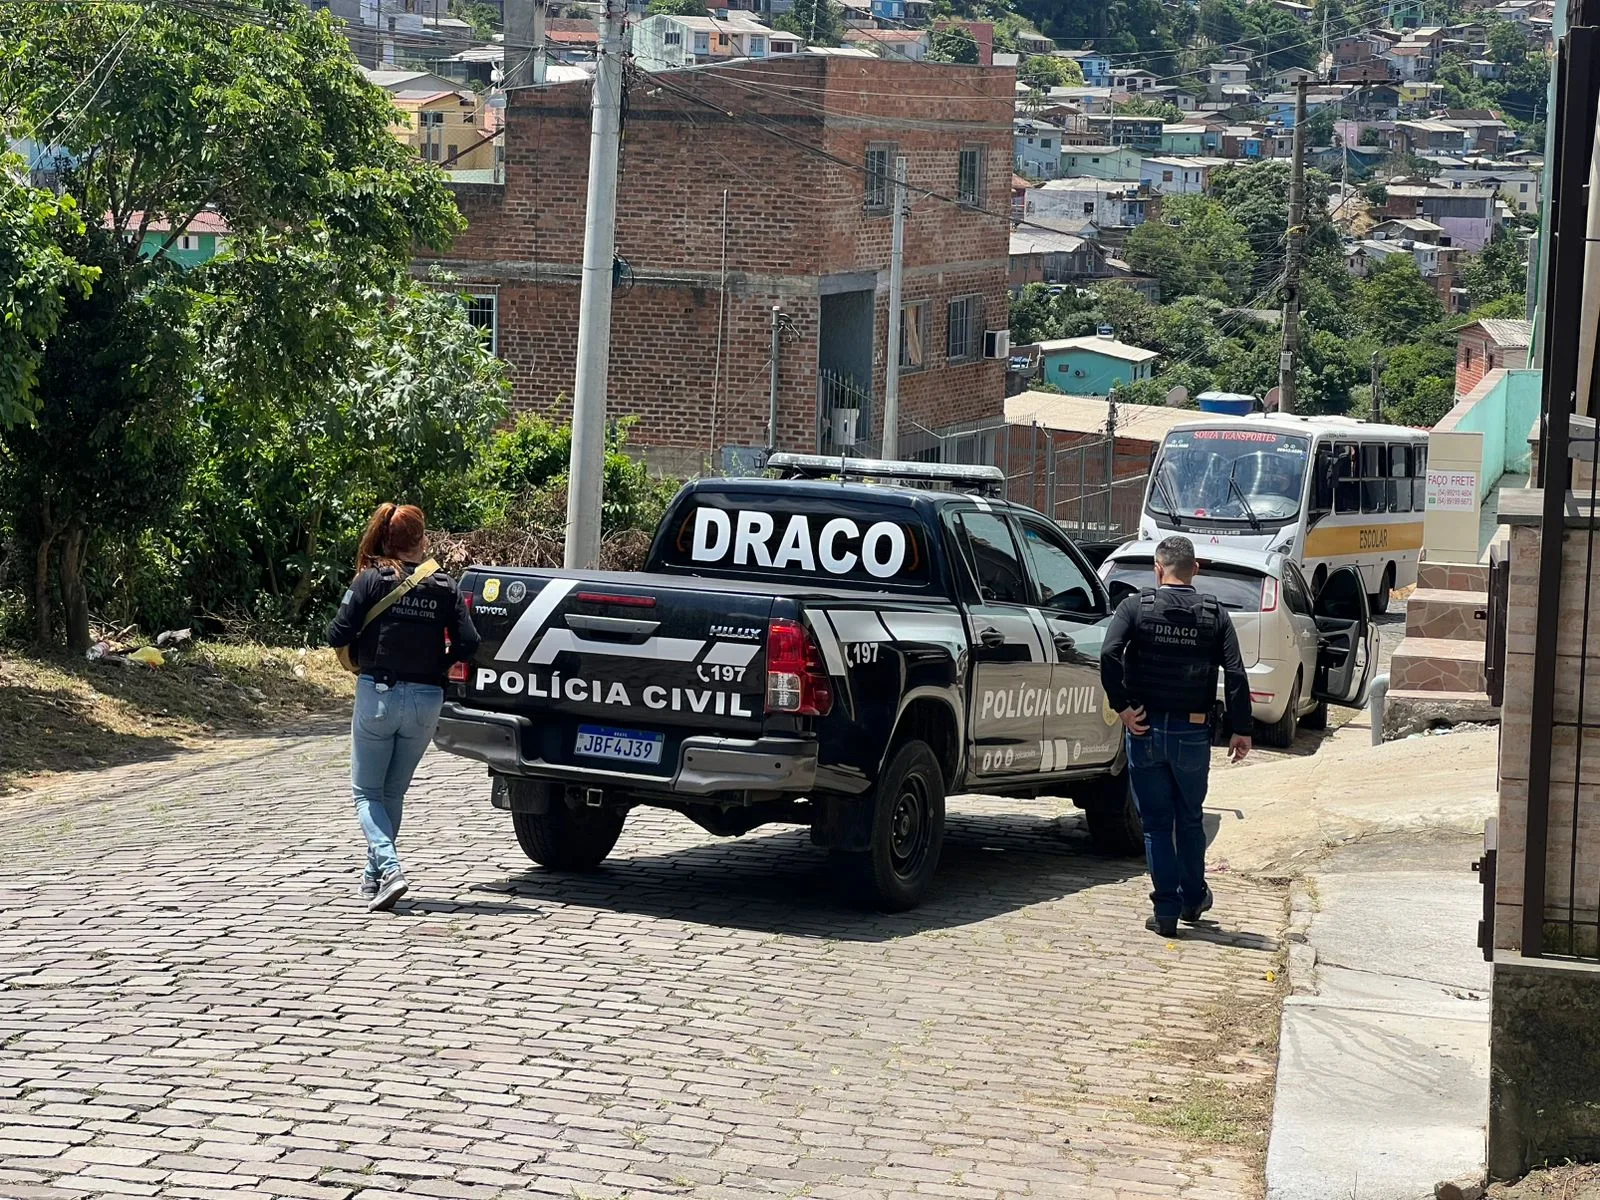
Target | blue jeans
(389,731)
(1169,768)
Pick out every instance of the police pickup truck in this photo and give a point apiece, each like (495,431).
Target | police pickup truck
(817,650)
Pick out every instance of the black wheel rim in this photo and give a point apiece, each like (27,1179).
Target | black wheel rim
(910,827)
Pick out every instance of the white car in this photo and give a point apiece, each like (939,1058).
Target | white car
(1297,649)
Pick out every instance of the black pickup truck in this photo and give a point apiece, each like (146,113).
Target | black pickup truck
(824,652)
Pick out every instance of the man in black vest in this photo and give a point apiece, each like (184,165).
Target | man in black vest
(1159,669)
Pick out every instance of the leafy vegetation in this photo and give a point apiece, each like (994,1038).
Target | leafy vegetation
(1218,261)
(209,441)
(953,44)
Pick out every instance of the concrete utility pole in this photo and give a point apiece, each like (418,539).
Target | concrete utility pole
(772,381)
(524,61)
(897,269)
(1290,353)
(1377,376)
(587,471)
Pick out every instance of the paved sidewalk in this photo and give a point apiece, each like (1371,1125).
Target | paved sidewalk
(192,1004)
(1383,1077)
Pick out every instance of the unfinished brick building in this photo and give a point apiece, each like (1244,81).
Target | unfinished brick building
(745,186)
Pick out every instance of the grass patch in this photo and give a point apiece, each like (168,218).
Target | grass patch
(1211,1116)
(62,713)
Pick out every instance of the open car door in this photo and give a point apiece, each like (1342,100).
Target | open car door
(1344,639)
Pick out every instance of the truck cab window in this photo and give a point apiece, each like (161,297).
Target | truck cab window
(992,554)
(1063,585)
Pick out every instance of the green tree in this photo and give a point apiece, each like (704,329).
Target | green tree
(1046,71)
(818,21)
(1222,22)
(1278,38)
(1144,106)
(37,279)
(678,8)
(953,44)
(1257,196)
(1498,272)
(169,114)
(1394,303)
(107,453)
(1418,382)
(484,18)
(1508,44)
(1033,315)
(1196,249)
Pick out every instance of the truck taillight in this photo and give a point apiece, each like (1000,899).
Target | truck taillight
(460,672)
(466,598)
(1269,594)
(797,679)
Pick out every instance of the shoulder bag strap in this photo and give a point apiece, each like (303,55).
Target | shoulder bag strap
(383,606)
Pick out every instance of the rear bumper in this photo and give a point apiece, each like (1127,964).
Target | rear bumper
(1270,681)
(706,765)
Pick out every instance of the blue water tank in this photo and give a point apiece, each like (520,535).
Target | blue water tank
(1231,404)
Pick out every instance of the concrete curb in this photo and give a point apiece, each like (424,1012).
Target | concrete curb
(1302,962)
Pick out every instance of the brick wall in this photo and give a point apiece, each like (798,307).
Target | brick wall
(795,218)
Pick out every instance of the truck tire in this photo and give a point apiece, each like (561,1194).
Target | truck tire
(568,839)
(1281,732)
(1115,829)
(897,869)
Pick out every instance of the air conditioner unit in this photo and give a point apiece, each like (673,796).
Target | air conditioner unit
(997,343)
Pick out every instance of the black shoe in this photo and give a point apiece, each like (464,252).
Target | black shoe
(390,888)
(1191,913)
(1165,926)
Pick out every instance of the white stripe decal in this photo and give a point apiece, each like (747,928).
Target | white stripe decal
(827,642)
(533,618)
(731,654)
(1047,756)
(1022,628)
(661,648)
(938,628)
(856,625)
(982,503)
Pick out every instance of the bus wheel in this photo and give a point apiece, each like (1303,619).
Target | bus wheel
(1318,579)
(1380,602)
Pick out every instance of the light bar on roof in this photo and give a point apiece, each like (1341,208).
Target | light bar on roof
(821,466)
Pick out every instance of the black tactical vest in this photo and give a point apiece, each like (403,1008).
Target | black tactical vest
(1172,657)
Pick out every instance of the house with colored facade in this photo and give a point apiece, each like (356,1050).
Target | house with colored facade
(1094,365)
(1109,203)
(445,127)
(1489,345)
(1179,176)
(201,240)
(1189,139)
(1100,162)
(663,42)
(1036,148)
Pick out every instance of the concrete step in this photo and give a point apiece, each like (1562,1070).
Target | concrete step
(1460,577)
(1437,665)
(1445,613)
(1409,710)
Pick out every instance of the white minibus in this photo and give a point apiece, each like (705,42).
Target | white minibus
(1325,491)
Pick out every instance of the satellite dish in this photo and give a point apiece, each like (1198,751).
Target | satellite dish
(1273,400)
(1178,397)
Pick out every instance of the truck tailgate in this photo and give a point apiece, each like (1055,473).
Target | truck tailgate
(616,672)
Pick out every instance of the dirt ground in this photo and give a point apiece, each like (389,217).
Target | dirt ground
(1557,1183)
(60,713)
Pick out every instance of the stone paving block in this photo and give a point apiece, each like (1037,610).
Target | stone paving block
(700,1017)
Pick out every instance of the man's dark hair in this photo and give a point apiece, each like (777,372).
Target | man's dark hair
(1175,555)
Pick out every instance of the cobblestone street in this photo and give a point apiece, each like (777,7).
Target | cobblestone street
(193,1003)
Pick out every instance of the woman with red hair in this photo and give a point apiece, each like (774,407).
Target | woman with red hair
(405,623)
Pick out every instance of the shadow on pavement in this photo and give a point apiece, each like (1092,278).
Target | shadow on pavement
(776,882)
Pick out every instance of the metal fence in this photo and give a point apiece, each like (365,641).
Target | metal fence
(1091,484)
(1561,883)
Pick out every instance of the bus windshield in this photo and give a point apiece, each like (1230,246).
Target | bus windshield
(1229,474)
